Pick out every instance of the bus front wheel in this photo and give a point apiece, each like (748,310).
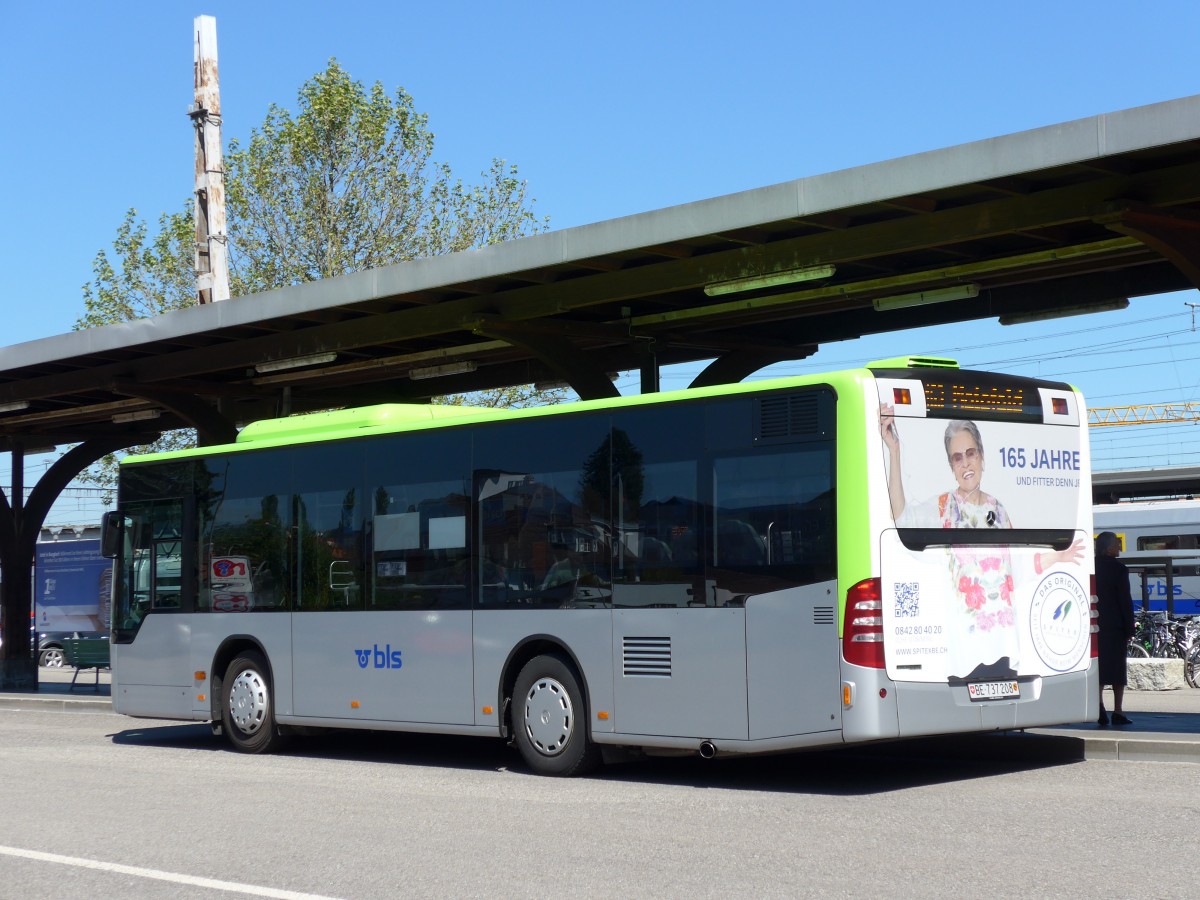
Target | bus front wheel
(248,713)
(550,720)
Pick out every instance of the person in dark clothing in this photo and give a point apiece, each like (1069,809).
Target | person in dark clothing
(1114,604)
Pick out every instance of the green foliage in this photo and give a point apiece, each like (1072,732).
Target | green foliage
(150,276)
(514,397)
(104,472)
(347,183)
(619,459)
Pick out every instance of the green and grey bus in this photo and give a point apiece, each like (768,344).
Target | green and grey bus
(757,567)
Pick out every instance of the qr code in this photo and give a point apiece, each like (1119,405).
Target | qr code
(908,599)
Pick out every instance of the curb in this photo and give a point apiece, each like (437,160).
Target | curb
(1148,750)
(15,702)
(1132,748)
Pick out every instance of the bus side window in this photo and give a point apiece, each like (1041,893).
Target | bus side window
(657,512)
(419,547)
(326,548)
(773,510)
(1172,542)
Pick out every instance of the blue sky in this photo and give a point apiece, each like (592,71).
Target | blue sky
(608,109)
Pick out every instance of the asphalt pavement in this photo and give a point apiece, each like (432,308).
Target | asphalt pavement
(1166,724)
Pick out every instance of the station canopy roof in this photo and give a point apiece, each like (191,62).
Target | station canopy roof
(1070,218)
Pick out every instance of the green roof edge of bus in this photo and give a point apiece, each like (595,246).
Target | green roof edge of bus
(393,418)
(914,362)
(335,422)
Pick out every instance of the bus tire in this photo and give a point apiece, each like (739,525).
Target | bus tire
(550,719)
(248,705)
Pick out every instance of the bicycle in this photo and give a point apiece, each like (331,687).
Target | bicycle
(1191,666)
(1161,636)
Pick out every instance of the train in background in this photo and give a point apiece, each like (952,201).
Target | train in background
(1157,529)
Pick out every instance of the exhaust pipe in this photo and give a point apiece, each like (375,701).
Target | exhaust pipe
(708,750)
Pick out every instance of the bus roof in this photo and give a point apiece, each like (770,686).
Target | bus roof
(390,418)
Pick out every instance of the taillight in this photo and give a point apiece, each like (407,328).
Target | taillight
(862,630)
(1095,627)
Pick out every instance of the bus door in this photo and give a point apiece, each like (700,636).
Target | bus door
(150,637)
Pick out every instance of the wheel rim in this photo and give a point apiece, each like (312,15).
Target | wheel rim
(52,658)
(549,716)
(248,701)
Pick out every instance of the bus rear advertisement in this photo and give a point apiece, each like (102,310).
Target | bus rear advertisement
(884,552)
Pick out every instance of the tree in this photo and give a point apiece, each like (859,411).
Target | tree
(514,397)
(150,275)
(349,182)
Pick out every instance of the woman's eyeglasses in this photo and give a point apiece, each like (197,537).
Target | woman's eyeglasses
(969,455)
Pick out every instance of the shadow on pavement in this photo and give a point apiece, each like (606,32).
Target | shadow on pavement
(192,735)
(861,770)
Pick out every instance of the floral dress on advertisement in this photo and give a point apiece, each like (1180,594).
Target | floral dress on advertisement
(982,581)
(983,584)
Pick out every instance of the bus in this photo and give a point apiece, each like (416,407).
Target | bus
(750,568)
(1153,531)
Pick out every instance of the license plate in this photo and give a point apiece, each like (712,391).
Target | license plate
(993,690)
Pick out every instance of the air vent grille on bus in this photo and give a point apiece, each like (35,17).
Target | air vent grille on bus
(647,656)
(823,615)
(792,416)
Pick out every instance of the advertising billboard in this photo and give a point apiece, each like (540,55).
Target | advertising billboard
(72,587)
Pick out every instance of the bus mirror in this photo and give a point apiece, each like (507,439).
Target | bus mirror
(110,534)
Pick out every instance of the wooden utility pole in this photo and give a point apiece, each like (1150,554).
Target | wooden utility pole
(212,261)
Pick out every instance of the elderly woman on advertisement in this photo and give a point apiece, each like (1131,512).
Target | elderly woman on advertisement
(981,576)
(967,506)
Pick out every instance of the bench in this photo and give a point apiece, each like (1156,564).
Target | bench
(83,653)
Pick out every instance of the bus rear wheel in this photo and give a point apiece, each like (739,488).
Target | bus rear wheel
(550,719)
(248,710)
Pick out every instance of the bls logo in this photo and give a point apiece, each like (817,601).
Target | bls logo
(387,658)
(1159,589)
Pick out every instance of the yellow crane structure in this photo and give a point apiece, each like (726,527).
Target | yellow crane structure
(1144,414)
